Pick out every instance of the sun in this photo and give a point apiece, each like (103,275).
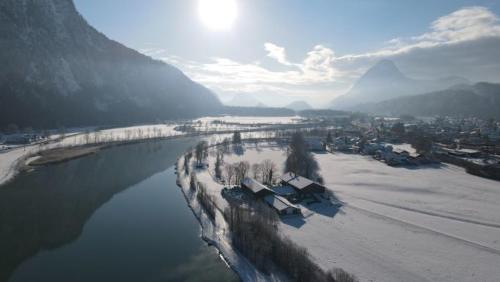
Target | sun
(218,14)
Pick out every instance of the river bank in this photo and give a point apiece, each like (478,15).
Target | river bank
(119,207)
(12,161)
(215,232)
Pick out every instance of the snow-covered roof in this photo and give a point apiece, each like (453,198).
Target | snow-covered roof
(253,185)
(296,181)
(278,202)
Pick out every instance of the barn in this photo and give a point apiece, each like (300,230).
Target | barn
(255,188)
(301,184)
(281,205)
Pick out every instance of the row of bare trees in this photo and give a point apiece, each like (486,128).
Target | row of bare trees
(266,172)
(206,200)
(236,172)
(255,234)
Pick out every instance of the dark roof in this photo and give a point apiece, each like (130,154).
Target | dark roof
(296,181)
(254,185)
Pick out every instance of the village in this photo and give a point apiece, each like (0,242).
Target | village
(335,192)
(408,141)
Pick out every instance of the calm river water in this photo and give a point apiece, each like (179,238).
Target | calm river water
(113,216)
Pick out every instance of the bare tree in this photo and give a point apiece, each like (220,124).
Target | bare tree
(226,145)
(230,173)
(256,171)
(219,160)
(201,152)
(242,169)
(193,183)
(187,161)
(269,171)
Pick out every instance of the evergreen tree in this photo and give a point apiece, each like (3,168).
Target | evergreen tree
(300,161)
(237,137)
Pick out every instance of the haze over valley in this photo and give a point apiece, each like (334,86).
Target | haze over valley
(263,140)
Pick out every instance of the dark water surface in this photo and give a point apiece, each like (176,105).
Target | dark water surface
(113,216)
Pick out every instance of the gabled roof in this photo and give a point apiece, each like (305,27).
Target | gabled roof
(279,203)
(296,181)
(254,185)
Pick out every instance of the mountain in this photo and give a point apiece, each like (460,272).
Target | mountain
(55,69)
(385,81)
(244,100)
(299,106)
(479,100)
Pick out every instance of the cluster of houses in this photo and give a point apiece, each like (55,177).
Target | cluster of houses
(292,189)
(379,150)
(474,161)
(20,139)
(394,156)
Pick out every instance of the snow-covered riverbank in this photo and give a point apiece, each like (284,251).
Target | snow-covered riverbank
(12,160)
(215,231)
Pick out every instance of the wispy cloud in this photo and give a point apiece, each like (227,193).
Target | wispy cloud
(466,24)
(276,52)
(326,74)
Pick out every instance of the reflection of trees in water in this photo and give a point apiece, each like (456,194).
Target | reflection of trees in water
(48,207)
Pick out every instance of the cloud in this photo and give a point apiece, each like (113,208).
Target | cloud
(466,24)
(464,42)
(276,52)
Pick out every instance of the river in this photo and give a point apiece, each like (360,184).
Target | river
(113,216)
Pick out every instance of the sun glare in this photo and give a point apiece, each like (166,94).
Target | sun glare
(218,14)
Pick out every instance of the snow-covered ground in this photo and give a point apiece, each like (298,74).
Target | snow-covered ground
(252,119)
(399,224)
(404,147)
(434,223)
(229,123)
(216,231)
(9,159)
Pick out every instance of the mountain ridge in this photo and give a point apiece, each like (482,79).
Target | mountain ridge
(299,106)
(385,81)
(479,100)
(62,71)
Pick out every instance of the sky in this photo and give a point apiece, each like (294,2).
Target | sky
(279,51)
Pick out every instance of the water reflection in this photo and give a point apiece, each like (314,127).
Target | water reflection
(49,232)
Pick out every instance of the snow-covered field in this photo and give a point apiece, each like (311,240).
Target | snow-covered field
(9,159)
(252,119)
(434,223)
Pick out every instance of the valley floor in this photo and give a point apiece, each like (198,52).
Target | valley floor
(11,160)
(434,223)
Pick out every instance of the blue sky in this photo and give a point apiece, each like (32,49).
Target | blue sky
(279,50)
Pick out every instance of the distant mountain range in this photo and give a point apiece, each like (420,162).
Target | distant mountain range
(479,100)
(55,69)
(299,106)
(245,100)
(385,81)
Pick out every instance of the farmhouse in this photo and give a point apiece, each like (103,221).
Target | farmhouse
(315,144)
(301,184)
(253,187)
(20,139)
(281,205)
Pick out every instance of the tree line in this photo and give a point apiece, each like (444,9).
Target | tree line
(256,235)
